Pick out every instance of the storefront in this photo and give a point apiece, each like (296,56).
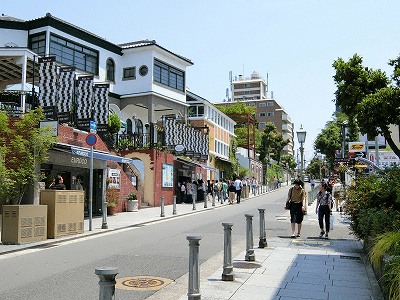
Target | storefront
(75,171)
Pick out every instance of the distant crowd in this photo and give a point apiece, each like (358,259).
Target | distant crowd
(217,190)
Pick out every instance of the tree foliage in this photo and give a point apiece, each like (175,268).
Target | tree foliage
(369,96)
(24,146)
(272,143)
(114,123)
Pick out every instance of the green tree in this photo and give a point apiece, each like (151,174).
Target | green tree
(272,143)
(369,96)
(25,146)
(328,141)
(114,123)
(287,161)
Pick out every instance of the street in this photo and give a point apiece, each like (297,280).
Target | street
(160,249)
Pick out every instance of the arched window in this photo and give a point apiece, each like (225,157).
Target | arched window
(138,126)
(110,66)
(128,126)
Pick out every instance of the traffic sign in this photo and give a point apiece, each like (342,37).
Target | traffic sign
(93,127)
(91,139)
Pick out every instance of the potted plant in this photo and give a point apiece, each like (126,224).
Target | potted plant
(132,202)
(112,201)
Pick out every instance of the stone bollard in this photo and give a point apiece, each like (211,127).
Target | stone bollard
(194,201)
(227,273)
(263,236)
(250,256)
(194,269)
(205,200)
(107,282)
(162,207)
(174,206)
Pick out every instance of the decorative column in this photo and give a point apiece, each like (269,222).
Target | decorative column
(250,256)
(263,236)
(227,273)
(107,282)
(162,207)
(194,269)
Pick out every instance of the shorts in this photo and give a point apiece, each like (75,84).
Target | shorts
(296,213)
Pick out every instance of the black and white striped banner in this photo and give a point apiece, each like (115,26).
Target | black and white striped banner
(66,93)
(48,80)
(100,106)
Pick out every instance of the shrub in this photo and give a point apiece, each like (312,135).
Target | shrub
(375,221)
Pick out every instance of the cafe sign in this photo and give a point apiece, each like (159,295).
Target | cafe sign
(356,147)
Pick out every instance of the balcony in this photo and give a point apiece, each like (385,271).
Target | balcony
(10,102)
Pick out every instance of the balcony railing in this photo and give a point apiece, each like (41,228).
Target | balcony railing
(10,102)
(132,141)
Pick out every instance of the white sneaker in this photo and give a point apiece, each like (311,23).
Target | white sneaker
(326,236)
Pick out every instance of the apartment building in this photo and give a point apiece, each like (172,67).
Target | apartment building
(253,91)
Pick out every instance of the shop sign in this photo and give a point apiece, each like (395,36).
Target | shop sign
(167,175)
(79,160)
(356,147)
(114,178)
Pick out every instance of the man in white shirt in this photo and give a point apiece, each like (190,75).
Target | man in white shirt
(238,186)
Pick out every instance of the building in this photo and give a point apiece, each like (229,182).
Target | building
(202,113)
(78,77)
(253,91)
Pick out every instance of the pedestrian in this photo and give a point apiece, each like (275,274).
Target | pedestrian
(183,192)
(238,186)
(324,209)
(297,198)
(58,184)
(312,183)
(189,192)
(254,185)
(232,192)
(337,190)
(224,187)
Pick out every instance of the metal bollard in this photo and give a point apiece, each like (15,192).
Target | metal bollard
(205,200)
(174,206)
(162,207)
(227,273)
(104,224)
(213,198)
(250,256)
(263,235)
(107,282)
(194,201)
(194,270)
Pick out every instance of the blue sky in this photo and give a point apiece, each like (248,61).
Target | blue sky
(294,42)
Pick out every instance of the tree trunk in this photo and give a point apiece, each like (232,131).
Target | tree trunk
(392,145)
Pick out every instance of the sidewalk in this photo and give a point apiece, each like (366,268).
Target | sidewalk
(301,268)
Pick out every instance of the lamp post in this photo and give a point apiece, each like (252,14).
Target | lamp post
(343,134)
(301,138)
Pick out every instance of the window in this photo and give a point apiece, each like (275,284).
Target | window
(143,70)
(262,104)
(72,54)
(168,76)
(270,103)
(37,43)
(261,124)
(128,126)
(110,66)
(263,114)
(270,114)
(138,126)
(129,73)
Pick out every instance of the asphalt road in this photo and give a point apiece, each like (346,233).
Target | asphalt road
(66,270)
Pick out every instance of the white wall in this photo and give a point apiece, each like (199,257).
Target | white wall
(18,37)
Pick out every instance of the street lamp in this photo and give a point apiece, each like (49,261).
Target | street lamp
(343,126)
(301,138)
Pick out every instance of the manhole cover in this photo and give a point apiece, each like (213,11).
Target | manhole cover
(246,265)
(142,283)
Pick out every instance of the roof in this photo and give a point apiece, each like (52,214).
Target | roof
(9,18)
(146,43)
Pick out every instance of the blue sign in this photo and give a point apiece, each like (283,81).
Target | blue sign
(93,127)
(91,139)
(101,156)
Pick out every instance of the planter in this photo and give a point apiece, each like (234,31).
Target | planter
(132,205)
(111,210)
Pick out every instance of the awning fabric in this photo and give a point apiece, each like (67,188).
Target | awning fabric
(195,163)
(99,155)
(223,159)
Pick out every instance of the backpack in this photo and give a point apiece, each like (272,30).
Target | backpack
(216,187)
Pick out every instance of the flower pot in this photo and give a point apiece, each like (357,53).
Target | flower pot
(111,210)
(132,205)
